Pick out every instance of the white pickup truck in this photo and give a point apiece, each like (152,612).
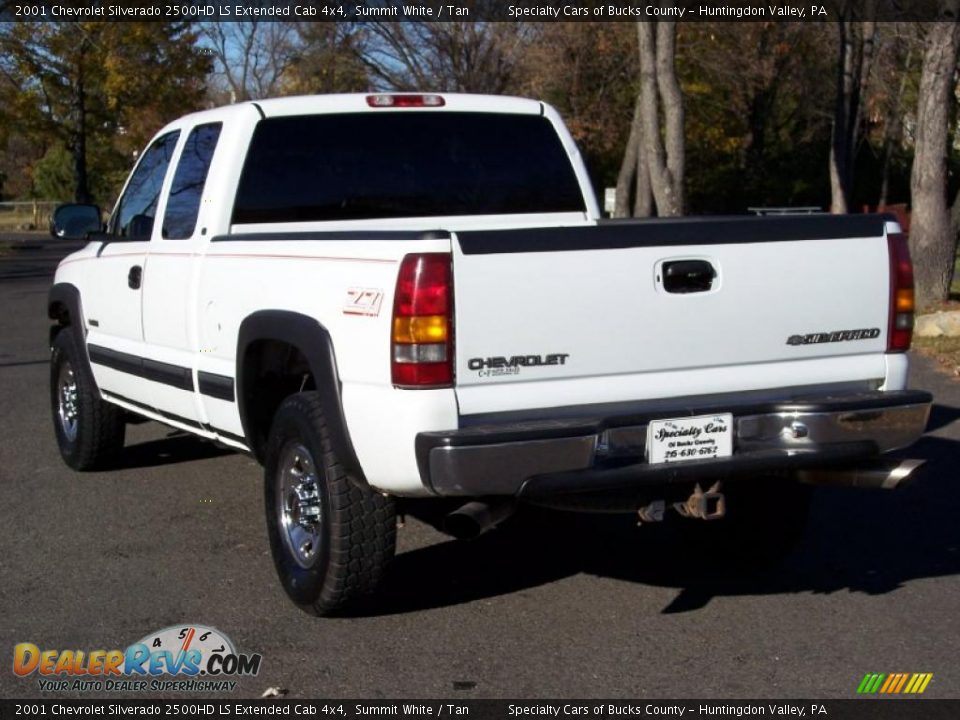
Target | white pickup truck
(413,296)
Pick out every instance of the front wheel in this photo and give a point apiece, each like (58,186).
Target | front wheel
(89,431)
(331,537)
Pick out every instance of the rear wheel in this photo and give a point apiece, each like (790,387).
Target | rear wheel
(331,537)
(89,431)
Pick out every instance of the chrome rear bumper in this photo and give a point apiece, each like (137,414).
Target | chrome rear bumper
(582,455)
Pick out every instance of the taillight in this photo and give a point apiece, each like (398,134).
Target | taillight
(900,331)
(422,329)
(404,101)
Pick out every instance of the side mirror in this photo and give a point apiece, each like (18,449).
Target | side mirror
(75,222)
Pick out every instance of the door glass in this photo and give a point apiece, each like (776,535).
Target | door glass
(137,209)
(183,206)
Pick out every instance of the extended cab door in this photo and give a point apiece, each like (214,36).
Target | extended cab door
(170,298)
(113,288)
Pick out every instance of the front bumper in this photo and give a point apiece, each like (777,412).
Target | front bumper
(537,460)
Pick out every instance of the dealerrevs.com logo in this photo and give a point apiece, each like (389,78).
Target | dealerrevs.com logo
(190,658)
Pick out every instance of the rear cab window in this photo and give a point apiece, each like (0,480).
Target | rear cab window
(358,166)
(183,205)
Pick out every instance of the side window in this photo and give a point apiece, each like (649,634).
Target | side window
(183,206)
(138,206)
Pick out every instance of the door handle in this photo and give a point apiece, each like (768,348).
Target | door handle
(134,277)
(688,276)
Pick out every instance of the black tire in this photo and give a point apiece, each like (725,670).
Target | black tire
(326,564)
(89,431)
(765,519)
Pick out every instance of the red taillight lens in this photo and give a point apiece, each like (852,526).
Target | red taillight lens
(900,330)
(405,101)
(422,327)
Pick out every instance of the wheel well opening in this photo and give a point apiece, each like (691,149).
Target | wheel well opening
(272,371)
(61,313)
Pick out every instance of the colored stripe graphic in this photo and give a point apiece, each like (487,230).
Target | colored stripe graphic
(870,683)
(894,683)
(903,680)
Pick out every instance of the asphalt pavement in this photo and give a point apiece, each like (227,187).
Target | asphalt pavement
(175,534)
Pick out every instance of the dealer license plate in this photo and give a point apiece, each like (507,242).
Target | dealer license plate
(694,438)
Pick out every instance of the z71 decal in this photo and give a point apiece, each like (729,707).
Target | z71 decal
(363,301)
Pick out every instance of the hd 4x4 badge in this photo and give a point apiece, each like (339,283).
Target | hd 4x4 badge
(499,365)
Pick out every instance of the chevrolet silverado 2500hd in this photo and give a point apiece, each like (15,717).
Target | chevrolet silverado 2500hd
(412,296)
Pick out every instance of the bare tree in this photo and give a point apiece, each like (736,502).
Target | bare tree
(663,147)
(933,245)
(654,156)
(853,71)
(252,58)
(634,173)
(893,125)
(447,56)
(329,59)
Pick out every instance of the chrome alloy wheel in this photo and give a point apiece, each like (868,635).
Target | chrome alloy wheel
(68,401)
(298,504)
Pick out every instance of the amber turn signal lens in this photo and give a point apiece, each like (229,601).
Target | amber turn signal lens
(420,329)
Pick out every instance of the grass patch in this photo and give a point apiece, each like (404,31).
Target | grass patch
(945,350)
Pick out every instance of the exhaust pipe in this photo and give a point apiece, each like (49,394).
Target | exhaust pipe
(476,517)
(883,474)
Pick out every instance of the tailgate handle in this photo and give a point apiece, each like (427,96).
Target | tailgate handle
(688,276)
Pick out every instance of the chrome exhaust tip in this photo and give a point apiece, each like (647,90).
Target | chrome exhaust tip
(882,474)
(476,517)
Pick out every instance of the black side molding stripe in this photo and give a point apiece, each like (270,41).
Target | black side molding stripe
(212,385)
(123,362)
(345,235)
(173,375)
(668,232)
(215,386)
(165,373)
(182,420)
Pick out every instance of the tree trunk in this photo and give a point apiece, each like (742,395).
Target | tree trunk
(841,113)
(892,132)
(643,198)
(656,56)
(853,73)
(955,236)
(628,168)
(653,167)
(79,140)
(673,117)
(931,242)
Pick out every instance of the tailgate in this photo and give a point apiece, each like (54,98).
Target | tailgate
(637,310)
